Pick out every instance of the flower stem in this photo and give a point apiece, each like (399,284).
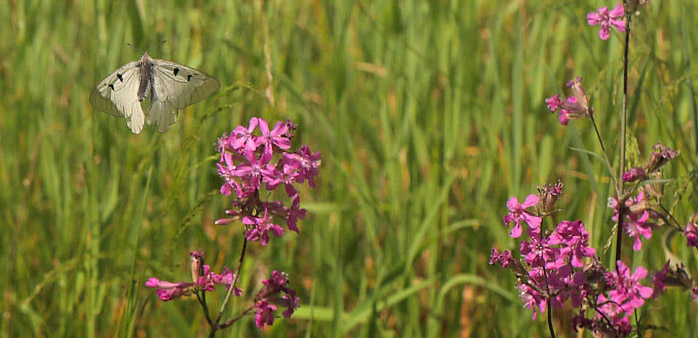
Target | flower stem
(623,132)
(202,301)
(216,325)
(605,154)
(547,289)
(669,216)
(550,321)
(236,318)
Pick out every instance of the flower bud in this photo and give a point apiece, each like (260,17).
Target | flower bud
(579,93)
(660,157)
(197,264)
(547,196)
(634,174)
(577,106)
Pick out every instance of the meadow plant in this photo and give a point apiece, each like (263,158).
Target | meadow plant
(557,264)
(253,164)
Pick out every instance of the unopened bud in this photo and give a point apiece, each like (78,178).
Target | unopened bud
(634,174)
(197,265)
(660,157)
(547,196)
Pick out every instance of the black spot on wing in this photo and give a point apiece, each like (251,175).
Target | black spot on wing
(111,86)
(120,77)
(176,71)
(188,77)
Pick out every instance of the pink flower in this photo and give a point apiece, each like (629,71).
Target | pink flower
(260,227)
(628,292)
(636,218)
(504,258)
(290,301)
(574,240)
(553,103)
(671,276)
(278,136)
(539,252)
(294,214)
(273,177)
(566,284)
(532,300)
(228,170)
(242,138)
(606,19)
(518,213)
(306,162)
(264,313)
(277,282)
(659,279)
(250,173)
(608,308)
(226,278)
(169,290)
(636,226)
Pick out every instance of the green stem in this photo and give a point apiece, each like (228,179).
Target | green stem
(605,154)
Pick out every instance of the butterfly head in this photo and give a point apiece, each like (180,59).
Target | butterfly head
(145,58)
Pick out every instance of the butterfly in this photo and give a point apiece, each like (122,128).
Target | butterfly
(167,85)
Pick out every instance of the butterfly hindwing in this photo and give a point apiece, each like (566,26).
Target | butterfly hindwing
(117,95)
(175,87)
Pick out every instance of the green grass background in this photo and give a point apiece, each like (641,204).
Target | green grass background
(429,116)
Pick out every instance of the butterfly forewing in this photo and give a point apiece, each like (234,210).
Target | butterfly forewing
(175,87)
(115,95)
(181,86)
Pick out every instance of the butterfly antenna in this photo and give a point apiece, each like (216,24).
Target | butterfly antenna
(136,48)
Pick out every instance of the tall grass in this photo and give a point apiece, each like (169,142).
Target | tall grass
(429,116)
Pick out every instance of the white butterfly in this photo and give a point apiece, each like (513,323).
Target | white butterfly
(167,85)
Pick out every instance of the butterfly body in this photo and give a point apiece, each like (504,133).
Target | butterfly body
(146,78)
(168,86)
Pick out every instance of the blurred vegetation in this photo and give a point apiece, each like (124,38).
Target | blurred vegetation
(429,116)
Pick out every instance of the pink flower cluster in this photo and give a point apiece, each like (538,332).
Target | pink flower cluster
(558,266)
(551,262)
(251,162)
(204,280)
(267,299)
(573,107)
(275,292)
